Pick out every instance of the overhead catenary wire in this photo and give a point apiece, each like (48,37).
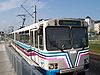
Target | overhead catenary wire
(19,7)
(28,13)
(24,2)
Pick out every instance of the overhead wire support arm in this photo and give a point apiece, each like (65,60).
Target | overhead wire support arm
(27,11)
(23,18)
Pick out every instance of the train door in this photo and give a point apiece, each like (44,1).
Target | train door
(38,42)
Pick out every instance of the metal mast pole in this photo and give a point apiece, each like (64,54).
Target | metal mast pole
(35,14)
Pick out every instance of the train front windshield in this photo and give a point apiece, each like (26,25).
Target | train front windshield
(80,37)
(64,38)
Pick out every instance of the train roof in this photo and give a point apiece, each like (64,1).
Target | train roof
(25,28)
(35,25)
(32,26)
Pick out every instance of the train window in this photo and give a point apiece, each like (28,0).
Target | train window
(36,39)
(82,40)
(24,37)
(17,36)
(40,30)
(41,42)
(41,37)
(58,38)
(31,38)
(40,34)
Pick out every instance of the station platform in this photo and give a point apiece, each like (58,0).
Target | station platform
(5,64)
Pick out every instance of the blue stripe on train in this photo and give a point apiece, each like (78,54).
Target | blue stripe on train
(67,58)
(28,47)
(66,55)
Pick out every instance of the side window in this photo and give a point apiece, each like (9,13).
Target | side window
(36,39)
(40,34)
(41,42)
(24,37)
(17,36)
(39,38)
(31,38)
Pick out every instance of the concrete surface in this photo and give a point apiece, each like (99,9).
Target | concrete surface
(5,65)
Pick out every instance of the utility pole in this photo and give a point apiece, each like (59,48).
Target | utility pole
(35,14)
(27,11)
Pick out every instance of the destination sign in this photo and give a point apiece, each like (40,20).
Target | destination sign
(70,22)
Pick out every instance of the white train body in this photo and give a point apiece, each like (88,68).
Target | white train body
(54,46)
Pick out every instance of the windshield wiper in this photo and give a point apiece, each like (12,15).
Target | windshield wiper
(53,43)
(83,43)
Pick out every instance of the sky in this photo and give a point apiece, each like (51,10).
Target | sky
(46,9)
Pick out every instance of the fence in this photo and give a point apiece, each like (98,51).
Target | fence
(20,66)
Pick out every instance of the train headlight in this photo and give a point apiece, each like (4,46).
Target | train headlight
(86,64)
(86,61)
(53,66)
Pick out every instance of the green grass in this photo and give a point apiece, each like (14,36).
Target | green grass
(94,42)
(95,48)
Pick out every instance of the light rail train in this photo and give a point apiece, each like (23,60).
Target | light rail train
(55,46)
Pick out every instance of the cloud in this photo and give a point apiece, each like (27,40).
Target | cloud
(41,5)
(9,4)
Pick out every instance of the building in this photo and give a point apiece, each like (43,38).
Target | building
(97,27)
(90,24)
(1,33)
